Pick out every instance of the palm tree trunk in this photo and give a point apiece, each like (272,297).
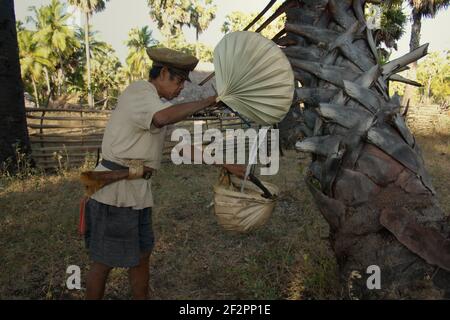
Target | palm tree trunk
(367,175)
(36,95)
(197,51)
(105,96)
(47,79)
(413,44)
(88,61)
(59,82)
(13,124)
(416,27)
(60,75)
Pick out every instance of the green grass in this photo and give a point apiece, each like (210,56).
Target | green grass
(194,257)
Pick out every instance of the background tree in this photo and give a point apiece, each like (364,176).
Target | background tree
(238,20)
(13,124)
(138,43)
(46,62)
(170,15)
(108,78)
(434,73)
(88,7)
(96,46)
(420,9)
(33,59)
(202,13)
(105,67)
(52,31)
(392,27)
(423,9)
(205,52)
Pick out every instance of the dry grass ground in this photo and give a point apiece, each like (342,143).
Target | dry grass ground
(194,258)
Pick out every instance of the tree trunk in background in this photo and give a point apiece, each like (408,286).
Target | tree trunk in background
(413,45)
(416,27)
(60,76)
(88,61)
(367,175)
(47,79)
(13,125)
(197,51)
(36,95)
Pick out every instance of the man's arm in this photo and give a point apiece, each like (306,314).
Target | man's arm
(178,112)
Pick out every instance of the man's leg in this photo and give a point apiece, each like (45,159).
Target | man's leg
(96,281)
(139,277)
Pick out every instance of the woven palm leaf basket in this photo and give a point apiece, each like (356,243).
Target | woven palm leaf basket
(242,211)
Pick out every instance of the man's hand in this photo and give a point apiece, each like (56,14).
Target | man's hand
(147,173)
(237,169)
(211,100)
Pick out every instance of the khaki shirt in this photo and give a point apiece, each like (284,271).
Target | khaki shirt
(129,134)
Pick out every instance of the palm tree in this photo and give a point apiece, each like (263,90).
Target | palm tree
(201,15)
(423,9)
(13,124)
(392,27)
(105,66)
(88,7)
(138,43)
(420,9)
(96,47)
(33,59)
(98,51)
(170,15)
(53,32)
(107,75)
(367,175)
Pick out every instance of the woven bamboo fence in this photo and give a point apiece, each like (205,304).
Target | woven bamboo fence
(62,138)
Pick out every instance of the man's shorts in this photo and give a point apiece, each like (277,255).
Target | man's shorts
(117,236)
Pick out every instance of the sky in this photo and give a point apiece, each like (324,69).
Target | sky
(114,23)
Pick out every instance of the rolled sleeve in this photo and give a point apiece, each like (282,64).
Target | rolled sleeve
(154,129)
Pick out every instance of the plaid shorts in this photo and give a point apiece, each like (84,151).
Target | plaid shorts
(117,236)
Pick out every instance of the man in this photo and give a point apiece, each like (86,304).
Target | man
(118,216)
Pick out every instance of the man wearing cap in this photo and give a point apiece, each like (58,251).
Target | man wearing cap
(118,216)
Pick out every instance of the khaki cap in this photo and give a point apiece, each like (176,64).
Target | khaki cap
(179,62)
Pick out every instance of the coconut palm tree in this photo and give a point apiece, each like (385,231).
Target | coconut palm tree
(138,43)
(367,175)
(98,51)
(53,32)
(88,7)
(96,47)
(33,59)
